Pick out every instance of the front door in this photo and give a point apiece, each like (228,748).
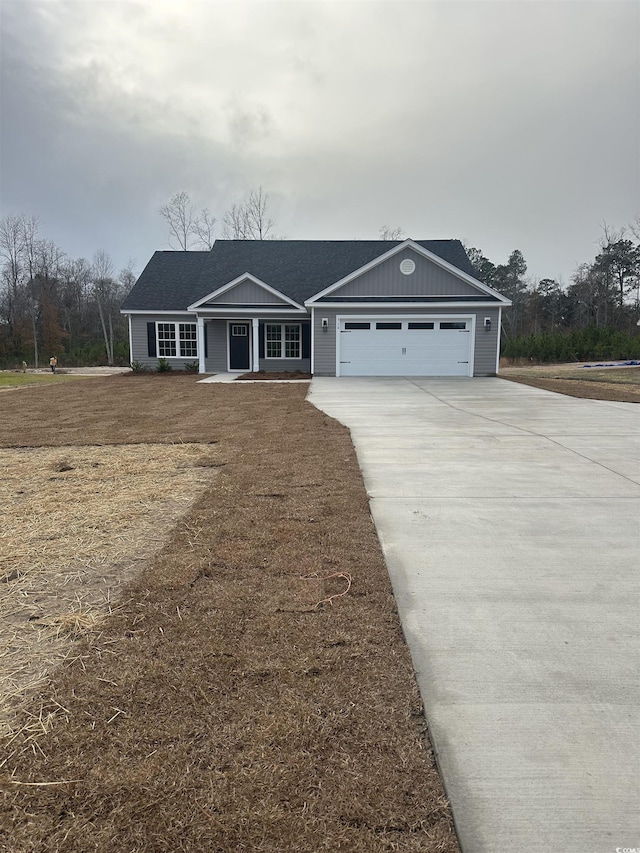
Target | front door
(239,346)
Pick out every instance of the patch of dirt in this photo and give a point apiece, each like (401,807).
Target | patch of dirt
(76,371)
(280,376)
(223,707)
(75,525)
(616,384)
(572,369)
(95,371)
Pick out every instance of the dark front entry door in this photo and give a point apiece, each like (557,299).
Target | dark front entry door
(239,346)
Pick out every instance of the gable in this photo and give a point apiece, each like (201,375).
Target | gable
(386,279)
(300,269)
(246,292)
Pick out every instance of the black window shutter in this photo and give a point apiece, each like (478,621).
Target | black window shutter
(204,330)
(151,339)
(306,340)
(261,342)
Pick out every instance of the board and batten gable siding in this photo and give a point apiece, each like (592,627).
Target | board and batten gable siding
(248,293)
(428,279)
(140,343)
(485,343)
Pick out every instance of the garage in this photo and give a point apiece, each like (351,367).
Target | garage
(414,346)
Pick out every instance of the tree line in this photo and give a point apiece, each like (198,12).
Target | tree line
(595,316)
(52,304)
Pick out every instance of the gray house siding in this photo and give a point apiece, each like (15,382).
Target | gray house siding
(428,279)
(274,365)
(485,343)
(248,293)
(139,340)
(216,358)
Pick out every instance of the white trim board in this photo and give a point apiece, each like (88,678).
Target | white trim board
(131,359)
(208,311)
(404,306)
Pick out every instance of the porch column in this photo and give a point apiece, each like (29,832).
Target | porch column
(255,327)
(201,367)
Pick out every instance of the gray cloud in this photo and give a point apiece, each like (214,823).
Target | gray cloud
(507,124)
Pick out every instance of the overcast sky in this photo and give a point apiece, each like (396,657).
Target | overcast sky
(511,124)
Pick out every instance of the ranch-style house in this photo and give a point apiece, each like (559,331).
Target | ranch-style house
(326,307)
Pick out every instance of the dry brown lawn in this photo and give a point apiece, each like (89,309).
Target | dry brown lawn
(619,384)
(75,523)
(225,703)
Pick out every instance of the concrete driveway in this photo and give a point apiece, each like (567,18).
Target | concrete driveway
(509,519)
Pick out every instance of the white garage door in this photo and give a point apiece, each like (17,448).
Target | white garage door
(379,347)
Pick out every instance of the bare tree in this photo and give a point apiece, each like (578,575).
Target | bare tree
(48,259)
(250,219)
(30,241)
(127,277)
(387,233)
(103,287)
(30,253)
(178,214)
(203,226)
(188,229)
(11,255)
(11,251)
(75,282)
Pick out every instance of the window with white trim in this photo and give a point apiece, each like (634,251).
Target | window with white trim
(177,340)
(282,340)
(188,340)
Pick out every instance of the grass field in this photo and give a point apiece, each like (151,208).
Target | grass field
(17,380)
(248,688)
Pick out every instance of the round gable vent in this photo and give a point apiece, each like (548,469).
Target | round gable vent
(407,266)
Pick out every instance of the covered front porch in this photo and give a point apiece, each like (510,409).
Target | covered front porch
(234,343)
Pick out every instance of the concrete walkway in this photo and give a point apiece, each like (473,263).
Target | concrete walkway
(509,519)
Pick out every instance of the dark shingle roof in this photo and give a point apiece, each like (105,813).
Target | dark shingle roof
(298,268)
(167,282)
